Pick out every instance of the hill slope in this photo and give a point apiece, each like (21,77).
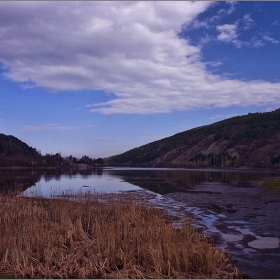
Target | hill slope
(14,152)
(252,140)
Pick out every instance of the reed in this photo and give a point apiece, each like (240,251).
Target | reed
(101,236)
(273,184)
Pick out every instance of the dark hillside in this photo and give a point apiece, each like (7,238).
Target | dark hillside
(252,140)
(14,152)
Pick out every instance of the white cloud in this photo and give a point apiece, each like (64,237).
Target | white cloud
(256,43)
(90,125)
(130,49)
(227,32)
(223,116)
(231,6)
(205,39)
(214,63)
(262,40)
(107,138)
(199,24)
(216,117)
(117,138)
(247,22)
(271,40)
(49,127)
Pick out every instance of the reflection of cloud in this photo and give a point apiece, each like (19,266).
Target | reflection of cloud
(130,49)
(49,127)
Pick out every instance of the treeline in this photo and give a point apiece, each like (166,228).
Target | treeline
(47,160)
(222,160)
(14,152)
(275,161)
(85,160)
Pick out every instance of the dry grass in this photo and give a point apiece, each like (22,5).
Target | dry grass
(87,238)
(273,184)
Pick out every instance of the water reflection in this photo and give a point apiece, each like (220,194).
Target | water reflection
(164,181)
(14,181)
(78,182)
(161,181)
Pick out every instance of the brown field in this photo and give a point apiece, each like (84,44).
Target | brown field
(99,236)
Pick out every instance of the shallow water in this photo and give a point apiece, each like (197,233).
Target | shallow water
(231,207)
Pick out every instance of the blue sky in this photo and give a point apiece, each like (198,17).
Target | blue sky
(100,78)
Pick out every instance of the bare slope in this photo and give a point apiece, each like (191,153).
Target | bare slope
(251,140)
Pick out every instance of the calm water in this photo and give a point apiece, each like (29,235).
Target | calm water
(240,215)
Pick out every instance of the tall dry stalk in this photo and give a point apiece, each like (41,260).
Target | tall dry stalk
(101,236)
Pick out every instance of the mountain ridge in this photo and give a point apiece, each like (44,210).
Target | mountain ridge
(251,140)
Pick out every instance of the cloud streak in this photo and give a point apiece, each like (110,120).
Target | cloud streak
(49,127)
(107,138)
(130,49)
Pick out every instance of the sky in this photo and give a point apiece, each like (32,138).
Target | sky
(101,78)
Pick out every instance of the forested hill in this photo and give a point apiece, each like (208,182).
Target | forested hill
(251,140)
(14,152)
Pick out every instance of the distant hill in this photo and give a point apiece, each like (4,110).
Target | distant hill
(14,152)
(251,140)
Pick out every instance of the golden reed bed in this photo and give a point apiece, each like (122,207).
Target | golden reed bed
(116,237)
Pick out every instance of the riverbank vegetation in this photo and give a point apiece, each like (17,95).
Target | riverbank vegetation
(102,236)
(273,184)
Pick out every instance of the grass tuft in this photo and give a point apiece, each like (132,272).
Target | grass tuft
(273,184)
(101,236)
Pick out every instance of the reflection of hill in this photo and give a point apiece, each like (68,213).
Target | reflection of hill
(172,180)
(16,181)
(159,185)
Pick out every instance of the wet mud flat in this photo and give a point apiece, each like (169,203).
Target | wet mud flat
(242,219)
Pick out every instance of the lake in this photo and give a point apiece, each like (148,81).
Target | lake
(232,207)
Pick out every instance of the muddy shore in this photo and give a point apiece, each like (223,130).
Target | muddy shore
(236,217)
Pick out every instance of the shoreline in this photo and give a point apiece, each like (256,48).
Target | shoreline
(140,167)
